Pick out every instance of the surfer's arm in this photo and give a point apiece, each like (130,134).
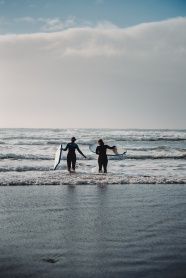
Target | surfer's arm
(111,148)
(65,148)
(97,150)
(80,152)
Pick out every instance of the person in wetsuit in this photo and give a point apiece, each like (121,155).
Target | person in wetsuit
(71,156)
(102,159)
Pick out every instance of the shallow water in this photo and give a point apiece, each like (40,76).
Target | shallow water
(93,231)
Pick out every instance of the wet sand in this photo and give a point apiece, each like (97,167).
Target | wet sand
(93,231)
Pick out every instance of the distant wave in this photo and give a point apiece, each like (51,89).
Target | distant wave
(33,143)
(30,143)
(34,157)
(160,148)
(157,157)
(29,157)
(24,138)
(26,169)
(150,139)
(89,157)
(52,142)
(56,141)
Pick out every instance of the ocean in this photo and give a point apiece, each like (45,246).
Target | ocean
(129,222)
(153,157)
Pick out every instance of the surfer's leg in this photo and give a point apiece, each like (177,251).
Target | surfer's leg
(100,165)
(105,165)
(69,162)
(74,163)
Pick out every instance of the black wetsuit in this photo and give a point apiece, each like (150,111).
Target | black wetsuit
(103,160)
(71,156)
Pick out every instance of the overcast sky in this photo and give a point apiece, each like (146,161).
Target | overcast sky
(93,63)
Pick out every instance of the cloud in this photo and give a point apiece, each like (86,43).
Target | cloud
(26,19)
(104,24)
(106,39)
(55,24)
(137,72)
(50,24)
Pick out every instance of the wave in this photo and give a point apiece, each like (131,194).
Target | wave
(89,157)
(116,139)
(40,143)
(24,157)
(159,148)
(61,178)
(80,142)
(137,157)
(26,169)
(150,139)
(25,137)
(34,157)
(51,140)
(30,144)
(142,157)
(56,143)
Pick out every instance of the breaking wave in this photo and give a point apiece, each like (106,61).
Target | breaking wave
(93,179)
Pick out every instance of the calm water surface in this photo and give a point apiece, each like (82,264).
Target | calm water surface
(93,231)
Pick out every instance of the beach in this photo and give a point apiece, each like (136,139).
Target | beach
(93,231)
(92,139)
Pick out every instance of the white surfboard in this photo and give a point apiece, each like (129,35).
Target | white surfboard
(115,152)
(58,157)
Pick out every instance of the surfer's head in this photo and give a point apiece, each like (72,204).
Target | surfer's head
(73,139)
(100,142)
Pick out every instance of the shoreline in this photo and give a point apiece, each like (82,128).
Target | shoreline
(94,179)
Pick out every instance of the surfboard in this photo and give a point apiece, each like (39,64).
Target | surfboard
(115,152)
(58,157)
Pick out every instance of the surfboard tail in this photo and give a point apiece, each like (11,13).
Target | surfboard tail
(58,157)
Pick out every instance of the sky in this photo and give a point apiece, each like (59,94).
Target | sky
(93,64)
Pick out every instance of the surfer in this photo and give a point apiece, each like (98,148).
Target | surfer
(102,159)
(71,156)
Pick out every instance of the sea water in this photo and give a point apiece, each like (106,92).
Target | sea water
(114,231)
(153,156)
(129,222)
